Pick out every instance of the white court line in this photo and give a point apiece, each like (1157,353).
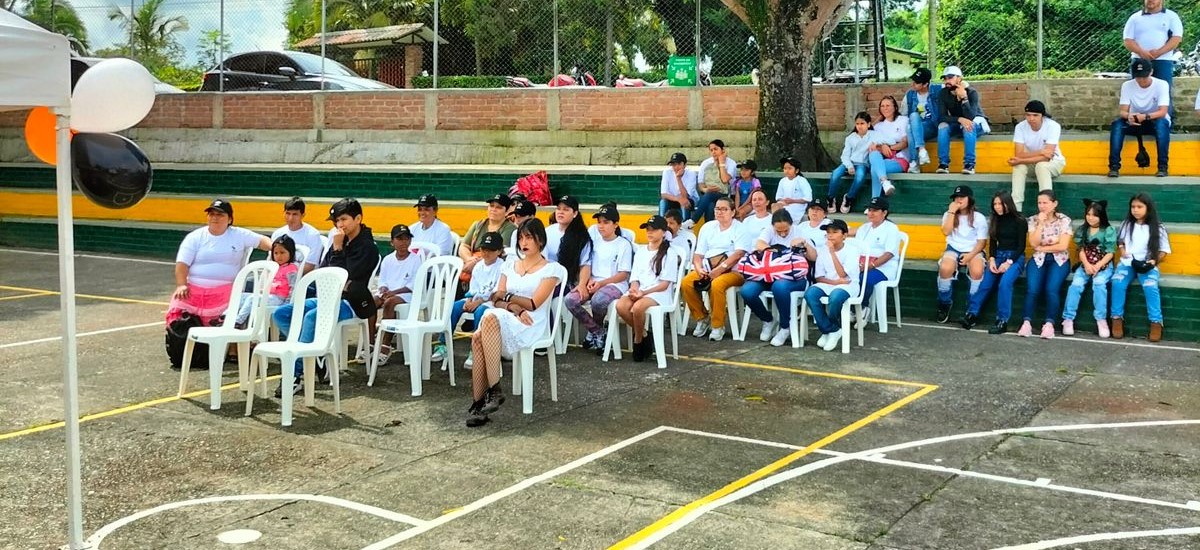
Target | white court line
(521,486)
(1108,341)
(776,479)
(93,333)
(91,256)
(1103,537)
(95,540)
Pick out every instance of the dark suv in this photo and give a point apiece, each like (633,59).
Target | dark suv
(285,71)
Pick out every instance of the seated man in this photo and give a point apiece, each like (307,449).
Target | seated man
(960,113)
(300,232)
(429,229)
(678,187)
(1144,104)
(921,107)
(1035,143)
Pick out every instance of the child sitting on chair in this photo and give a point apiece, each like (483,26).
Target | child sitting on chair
(283,251)
(396,274)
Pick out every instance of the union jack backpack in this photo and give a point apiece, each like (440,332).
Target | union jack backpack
(774,264)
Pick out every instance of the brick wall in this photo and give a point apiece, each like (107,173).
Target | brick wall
(488,110)
(730,108)
(267,111)
(179,111)
(831,107)
(375,111)
(624,109)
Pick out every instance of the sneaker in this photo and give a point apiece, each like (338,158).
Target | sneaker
(701,328)
(1101,328)
(717,334)
(768,331)
(1000,327)
(922,156)
(831,340)
(1068,327)
(1026,330)
(847,203)
(969,321)
(1113,173)
(888,188)
(1118,328)
(943,312)
(588,342)
(687,225)
(781,337)
(831,202)
(599,341)
(821,340)
(1047,330)
(914,168)
(322,371)
(475,416)
(1161,173)
(943,169)
(385,353)
(363,355)
(297,388)
(439,354)
(968,170)
(492,400)
(469,362)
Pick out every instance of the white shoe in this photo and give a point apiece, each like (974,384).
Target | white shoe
(717,334)
(781,337)
(439,353)
(768,330)
(922,156)
(701,328)
(385,353)
(363,355)
(831,340)
(888,188)
(687,225)
(914,168)
(821,340)
(469,362)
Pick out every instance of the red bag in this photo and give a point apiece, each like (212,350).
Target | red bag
(535,187)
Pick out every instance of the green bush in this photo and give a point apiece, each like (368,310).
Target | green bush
(739,80)
(460,82)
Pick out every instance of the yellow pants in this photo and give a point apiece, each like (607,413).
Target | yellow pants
(716,295)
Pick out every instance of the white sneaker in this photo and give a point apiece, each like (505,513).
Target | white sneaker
(922,156)
(701,328)
(888,188)
(781,337)
(914,168)
(469,362)
(821,340)
(768,330)
(385,353)
(687,225)
(717,334)
(363,355)
(831,340)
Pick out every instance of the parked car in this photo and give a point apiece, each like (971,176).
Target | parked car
(80,64)
(285,71)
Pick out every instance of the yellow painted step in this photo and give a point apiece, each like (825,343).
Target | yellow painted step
(1088,157)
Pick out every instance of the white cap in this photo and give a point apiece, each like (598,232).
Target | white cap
(952,71)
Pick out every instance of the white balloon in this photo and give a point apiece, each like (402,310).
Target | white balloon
(113,95)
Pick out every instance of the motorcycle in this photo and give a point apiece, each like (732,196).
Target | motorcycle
(578,77)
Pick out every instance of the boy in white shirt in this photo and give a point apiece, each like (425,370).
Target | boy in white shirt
(484,278)
(1144,101)
(397,274)
(303,234)
(837,275)
(678,187)
(1035,144)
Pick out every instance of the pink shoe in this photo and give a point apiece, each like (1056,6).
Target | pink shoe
(1026,330)
(1048,331)
(1068,327)
(1102,328)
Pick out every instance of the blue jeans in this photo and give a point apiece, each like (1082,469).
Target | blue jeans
(881,167)
(456,313)
(664,205)
(837,300)
(918,128)
(945,130)
(1159,128)
(1048,279)
(945,294)
(781,290)
(1004,291)
(308,328)
(1164,69)
(1099,293)
(874,277)
(860,175)
(705,205)
(1120,285)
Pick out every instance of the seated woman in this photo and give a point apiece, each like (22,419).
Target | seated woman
(1143,246)
(496,220)
(879,239)
(854,163)
(813,228)
(757,220)
(603,277)
(837,276)
(781,232)
(887,154)
(1096,244)
(1007,233)
(718,249)
(966,232)
(716,173)
(1050,235)
(655,273)
(518,317)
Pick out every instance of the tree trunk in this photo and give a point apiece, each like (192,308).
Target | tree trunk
(787,118)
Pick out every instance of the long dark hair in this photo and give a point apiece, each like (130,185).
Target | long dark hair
(1098,209)
(664,246)
(1151,220)
(1010,210)
(969,212)
(863,116)
(574,239)
(288,244)
(533,228)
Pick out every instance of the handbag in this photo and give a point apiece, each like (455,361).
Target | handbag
(774,264)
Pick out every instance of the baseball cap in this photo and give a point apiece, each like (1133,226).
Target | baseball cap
(818,203)
(655,222)
(401,231)
(517,196)
(749,164)
(1035,106)
(501,199)
(952,71)
(878,203)
(222,205)
(922,76)
(345,206)
(571,202)
(608,212)
(1140,68)
(492,241)
(962,191)
(839,225)
(525,208)
(427,200)
(678,157)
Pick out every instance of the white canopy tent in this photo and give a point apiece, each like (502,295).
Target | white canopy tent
(35,70)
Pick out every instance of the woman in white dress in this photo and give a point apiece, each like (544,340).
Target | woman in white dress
(655,273)
(519,316)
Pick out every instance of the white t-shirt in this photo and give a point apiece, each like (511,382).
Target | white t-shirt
(890,132)
(714,241)
(848,256)
(875,241)
(1048,134)
(438,234)
(554,235)
(395,274)
(752,227)
(643,273)
(730,168)
(815,235)
(771,237)
(683,243)
(611,257)
(213,260)
(670,184)
(1136,241)
(308,236)
(1146,100)
(1152,30)
(484,278)
(795,188)
(594,233)
(964,237)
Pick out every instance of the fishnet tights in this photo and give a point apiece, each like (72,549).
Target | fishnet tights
(485,344)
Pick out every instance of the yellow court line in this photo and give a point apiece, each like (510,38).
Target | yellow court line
(32,295)
(89,296)
(120,410)
(768,469)
(808,372)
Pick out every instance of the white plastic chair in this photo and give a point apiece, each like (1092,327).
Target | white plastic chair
(435,285)
(854,302)
(656,318)
(879,305)
(219,338)
(455,241)
(523,360)
(425,250)
(362,326)
(329,281)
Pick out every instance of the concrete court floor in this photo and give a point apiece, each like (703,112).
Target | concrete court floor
(628,456)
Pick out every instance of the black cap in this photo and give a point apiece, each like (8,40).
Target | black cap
(427,200)
(400,231)
(501,199)
(922,76)
(839,225)
(655,222)
(492,241)
(571,202)
(677,157)
(517,196)
(525,208)
(1036,106)
(608,212)
(222,205)
(962,191)
(878,203)
(819,203)
(749,164)
(345,206)
(1140,67)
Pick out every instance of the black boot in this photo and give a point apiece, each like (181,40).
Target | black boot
(639,351)
(475,415)
(969,321)
(1000,327)
(492,399)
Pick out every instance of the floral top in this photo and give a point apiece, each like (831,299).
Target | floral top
(1050,235)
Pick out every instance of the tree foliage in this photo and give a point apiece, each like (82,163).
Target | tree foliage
(56,16)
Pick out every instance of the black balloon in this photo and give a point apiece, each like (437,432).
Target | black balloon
(110,170)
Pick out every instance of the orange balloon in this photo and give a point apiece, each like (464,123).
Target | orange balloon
(39,134)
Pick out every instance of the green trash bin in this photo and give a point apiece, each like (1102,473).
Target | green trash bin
(681,71)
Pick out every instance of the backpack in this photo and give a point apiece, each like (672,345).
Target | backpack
(176,340)
(535,187)
(773,264)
